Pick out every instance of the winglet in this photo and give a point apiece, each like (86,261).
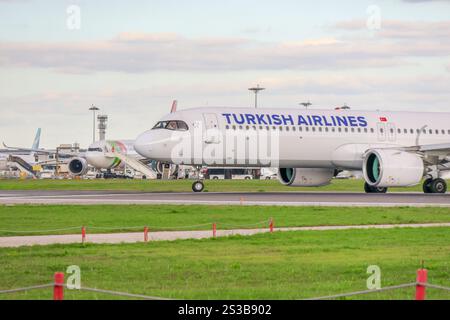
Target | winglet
(174,106)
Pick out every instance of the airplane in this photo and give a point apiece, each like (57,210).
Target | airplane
(22,158)
(393,149)
(113,154)
(107,155)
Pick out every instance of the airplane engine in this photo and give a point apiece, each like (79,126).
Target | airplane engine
(78,166)
(385,168)
(305,177)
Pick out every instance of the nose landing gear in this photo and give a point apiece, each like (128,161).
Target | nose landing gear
(198,186)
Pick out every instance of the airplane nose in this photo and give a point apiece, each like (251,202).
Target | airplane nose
(142,145)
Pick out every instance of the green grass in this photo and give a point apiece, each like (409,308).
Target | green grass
(290,265)
(181,185)
(29,218)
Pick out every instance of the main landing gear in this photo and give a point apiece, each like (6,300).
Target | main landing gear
(369,189)
(435,186)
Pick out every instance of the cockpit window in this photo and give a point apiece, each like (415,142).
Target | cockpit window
(182,126)
(172,125)
(95,149)
(175,125)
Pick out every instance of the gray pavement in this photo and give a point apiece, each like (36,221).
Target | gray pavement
(233,198)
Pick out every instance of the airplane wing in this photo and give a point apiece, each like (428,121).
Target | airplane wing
(432,149)
(41,151)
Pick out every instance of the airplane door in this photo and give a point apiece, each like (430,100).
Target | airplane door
(391,132)
(387,132)
(212,133)
(381,129)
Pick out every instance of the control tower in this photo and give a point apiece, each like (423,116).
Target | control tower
(102,120)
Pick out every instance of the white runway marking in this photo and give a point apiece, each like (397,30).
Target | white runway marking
(65,201)
(115,238)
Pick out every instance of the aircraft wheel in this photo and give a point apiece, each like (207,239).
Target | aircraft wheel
(369,189)
(198,186)
(427,185)
(438,186)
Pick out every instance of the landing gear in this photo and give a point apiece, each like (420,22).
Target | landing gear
(198,186)
(369,189)
(435,186)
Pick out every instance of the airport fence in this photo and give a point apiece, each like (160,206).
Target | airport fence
(58,286)
(265,224)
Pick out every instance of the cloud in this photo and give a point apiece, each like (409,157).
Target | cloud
(147,52)
(421,1)
(403,30)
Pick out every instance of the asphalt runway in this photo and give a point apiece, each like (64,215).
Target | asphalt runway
(235,198)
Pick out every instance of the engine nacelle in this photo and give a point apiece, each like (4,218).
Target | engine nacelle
(305,177)
(78,166)
(384,168)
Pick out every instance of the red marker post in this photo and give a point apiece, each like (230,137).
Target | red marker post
(58,288)
(214,230)
(83,234)
(422,277)
(271,225)
(146,234)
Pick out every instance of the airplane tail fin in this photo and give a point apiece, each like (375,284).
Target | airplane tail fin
(174,106)
(37,140)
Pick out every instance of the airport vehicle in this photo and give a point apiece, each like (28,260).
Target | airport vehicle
(393,149)
(269,174)
(229,173)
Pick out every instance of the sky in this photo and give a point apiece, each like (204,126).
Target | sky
(132,58)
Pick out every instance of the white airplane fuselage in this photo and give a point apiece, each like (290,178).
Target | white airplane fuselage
(307,138)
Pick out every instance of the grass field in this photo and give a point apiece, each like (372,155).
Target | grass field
(290,265)
(30,218)
(182,185)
